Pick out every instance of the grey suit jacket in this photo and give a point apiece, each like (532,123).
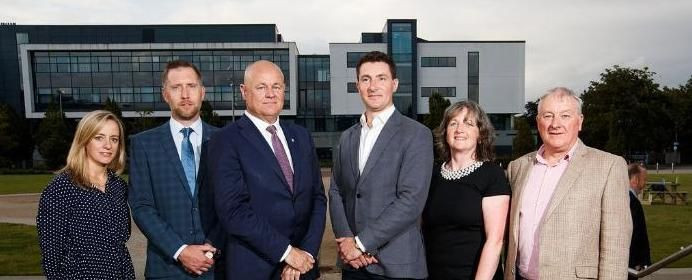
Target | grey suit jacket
(382,206)
(586,229)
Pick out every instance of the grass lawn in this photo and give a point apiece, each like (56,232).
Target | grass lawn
(34,183)
(11,184)
(670,226)
(19,252)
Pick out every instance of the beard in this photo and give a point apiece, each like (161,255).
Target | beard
(181,113)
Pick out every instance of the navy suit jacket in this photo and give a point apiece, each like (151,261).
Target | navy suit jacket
(162,205)
(640,253)
(255,205)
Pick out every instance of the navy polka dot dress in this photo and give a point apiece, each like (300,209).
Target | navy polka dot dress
(82,232)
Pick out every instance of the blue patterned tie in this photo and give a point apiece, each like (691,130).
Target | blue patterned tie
(188,159)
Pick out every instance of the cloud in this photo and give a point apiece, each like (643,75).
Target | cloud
(567,43)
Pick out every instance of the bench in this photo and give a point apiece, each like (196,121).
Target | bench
(667,197)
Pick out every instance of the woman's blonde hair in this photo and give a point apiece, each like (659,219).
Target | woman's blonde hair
(77,163)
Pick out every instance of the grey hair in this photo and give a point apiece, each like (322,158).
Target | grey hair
(561,92)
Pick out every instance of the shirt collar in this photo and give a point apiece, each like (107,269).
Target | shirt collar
(261,124)
(196,126)
(380,118)
(568,156)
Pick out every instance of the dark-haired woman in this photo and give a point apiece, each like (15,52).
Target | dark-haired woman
(466,211)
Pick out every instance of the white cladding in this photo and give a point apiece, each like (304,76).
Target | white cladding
(343,102)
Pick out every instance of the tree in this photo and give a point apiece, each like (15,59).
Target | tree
(209,116)
(625,112)
(54,137)
(113,107)
(15,140)
(437,106)
(680,111)
(523,142)
(143,122)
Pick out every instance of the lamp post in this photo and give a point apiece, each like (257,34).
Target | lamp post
(60,93)
(232,102)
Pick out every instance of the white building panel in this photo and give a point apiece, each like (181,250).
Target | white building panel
(343,102)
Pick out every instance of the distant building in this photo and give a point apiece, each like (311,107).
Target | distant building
(81,66)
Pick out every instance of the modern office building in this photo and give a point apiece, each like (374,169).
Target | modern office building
(81,66)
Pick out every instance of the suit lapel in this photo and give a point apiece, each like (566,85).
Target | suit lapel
(574,169)
(171,152)
(253,136)
(523,172)
(388,131)
(354,143)
(202,157)
(295,154)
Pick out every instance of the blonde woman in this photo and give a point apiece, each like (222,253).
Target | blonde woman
(83,219)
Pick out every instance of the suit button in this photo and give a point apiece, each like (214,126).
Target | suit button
(357,195)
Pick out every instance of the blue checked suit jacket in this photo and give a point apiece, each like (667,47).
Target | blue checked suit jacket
(162,205)
(254,204)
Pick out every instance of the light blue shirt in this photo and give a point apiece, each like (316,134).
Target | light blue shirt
(195,138)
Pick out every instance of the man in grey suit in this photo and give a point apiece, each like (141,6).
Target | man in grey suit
(380,182)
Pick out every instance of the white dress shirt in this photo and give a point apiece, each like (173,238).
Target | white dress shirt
(196,140)
(262,126)
(368,137)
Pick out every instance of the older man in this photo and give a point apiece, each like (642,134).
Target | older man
(569,217)
(269,194)
(640,253)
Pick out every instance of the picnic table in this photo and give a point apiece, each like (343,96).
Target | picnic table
(665,191)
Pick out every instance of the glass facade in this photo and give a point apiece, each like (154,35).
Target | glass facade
(442,91)
(351,87)
(352,58)
(473,76)
(314,103)
(85,79)
(12,36)
(431,61)
(501,121)
(402,48)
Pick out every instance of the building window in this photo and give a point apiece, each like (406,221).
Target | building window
(351,88)
(473,76)
(501,121)
(432,61)
(442,91)
(352,58)
(132,77)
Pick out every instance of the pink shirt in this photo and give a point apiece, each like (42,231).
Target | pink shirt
(534,201)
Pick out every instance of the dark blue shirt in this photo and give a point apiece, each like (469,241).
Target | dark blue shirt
(82,231)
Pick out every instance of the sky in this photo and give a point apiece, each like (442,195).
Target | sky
(568,43)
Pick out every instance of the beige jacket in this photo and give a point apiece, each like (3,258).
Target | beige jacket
(586,229)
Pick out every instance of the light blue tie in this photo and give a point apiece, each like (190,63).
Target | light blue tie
(188,159)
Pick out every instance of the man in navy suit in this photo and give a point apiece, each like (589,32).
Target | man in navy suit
(167,165)
(267,184)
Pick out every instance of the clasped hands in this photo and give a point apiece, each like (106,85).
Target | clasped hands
(352,255)
(195,258)
(297,262)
